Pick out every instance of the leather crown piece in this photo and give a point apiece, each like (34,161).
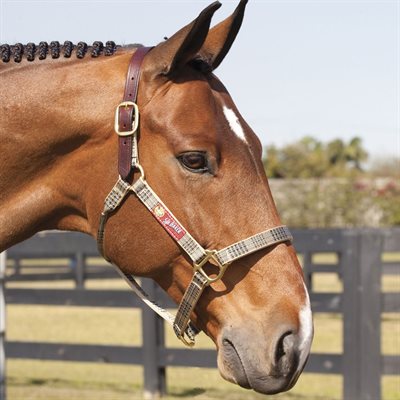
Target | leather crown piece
(127,113)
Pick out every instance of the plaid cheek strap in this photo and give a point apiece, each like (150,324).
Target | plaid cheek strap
(127,116)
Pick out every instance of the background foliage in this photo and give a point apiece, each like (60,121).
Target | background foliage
(318,184)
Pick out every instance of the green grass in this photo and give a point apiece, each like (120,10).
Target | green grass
(29,379)
(56,380)
(48,380)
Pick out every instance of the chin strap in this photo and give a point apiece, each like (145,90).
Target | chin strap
(217,260)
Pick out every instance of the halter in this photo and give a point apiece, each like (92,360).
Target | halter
(126,127)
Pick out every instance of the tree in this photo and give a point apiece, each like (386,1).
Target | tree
(355,153)
(310,158)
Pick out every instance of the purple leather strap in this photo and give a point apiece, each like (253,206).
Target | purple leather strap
(126,113)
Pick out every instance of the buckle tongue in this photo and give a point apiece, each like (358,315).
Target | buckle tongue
(135,118)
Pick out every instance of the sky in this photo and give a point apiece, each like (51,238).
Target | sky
(327,69)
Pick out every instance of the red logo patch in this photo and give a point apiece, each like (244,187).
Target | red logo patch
(168,222)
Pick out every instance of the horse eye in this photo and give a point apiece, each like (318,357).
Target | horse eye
(194,161)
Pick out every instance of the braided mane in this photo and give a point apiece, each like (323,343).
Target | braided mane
(55,50)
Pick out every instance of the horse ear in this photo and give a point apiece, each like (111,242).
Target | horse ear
(220,38)
(183,46)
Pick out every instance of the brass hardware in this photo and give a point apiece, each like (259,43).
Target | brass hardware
(211,255)
(141,170)
(135,121)
(188,342)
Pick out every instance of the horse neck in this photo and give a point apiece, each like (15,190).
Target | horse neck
(55,128)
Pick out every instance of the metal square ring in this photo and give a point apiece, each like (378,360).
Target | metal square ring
(211,255)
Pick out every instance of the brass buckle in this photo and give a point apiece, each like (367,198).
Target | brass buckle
(135,121)
(211,255)
(187,341)
(183,336)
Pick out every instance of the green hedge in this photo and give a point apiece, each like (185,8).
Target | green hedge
(328,203)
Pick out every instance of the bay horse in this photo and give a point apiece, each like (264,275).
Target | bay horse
(200,175)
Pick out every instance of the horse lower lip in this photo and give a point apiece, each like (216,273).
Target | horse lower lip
(271,385)
(231,355)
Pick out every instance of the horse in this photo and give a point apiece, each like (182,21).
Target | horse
(200,168)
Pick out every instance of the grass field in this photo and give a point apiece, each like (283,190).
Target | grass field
(48,380)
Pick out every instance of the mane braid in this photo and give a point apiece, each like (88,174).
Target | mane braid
(43,50)
(30,50)
(18,52)
(55,49)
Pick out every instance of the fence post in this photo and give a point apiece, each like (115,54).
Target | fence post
(307,270)
(2,326)
(17,266)
(361,315)
(79,270)
(349,259)
(153,339)
(371,245)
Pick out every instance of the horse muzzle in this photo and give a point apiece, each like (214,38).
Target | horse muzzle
(266,366)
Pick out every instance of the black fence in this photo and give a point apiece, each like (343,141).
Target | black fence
(359,264)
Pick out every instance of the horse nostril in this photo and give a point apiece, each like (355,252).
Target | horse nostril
(286,352)
(281,346)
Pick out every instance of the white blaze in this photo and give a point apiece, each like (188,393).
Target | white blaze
(234,123)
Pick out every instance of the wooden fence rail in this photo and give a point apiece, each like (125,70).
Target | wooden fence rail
(360,265)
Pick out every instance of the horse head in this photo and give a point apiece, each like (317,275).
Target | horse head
(204,162)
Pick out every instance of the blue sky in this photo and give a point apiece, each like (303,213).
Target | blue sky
(329,69)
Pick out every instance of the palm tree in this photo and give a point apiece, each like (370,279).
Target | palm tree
(336,152)
(355,152)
